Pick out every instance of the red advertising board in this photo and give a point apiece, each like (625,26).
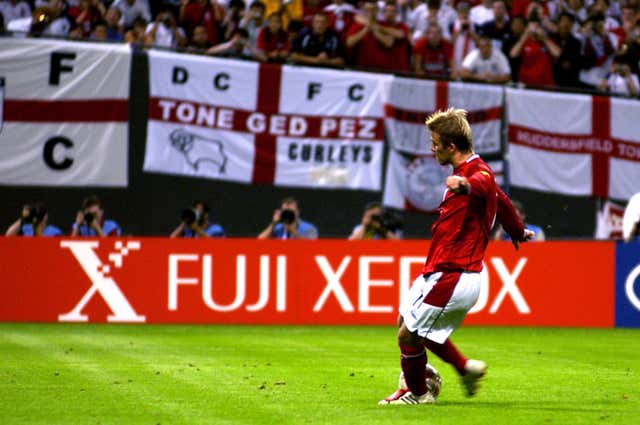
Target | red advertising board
(157,280)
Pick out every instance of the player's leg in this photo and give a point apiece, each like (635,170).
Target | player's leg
(463,296)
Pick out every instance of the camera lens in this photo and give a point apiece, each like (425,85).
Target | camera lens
(287,216)
(88,217)
(188,216)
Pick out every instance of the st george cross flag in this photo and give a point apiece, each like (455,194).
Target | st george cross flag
(263,123)
(574,144)
(63,113)
(414,180)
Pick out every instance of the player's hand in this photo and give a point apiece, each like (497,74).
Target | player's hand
(458,184)
(527,236)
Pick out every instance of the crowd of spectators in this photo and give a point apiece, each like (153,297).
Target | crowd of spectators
(586,44)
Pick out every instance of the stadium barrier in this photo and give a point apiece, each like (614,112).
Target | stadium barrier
(156,280)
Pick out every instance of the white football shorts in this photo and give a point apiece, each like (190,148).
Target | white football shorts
(437,304)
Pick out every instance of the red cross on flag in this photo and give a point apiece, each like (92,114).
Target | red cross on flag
(574,144)
(264,124)
(414,180)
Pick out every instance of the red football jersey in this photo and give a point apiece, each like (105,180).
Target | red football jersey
(461,234)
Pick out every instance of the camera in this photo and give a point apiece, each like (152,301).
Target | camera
(287,216)
(388,221)
(35,215)
(167,19)
(89,217)
(190,216)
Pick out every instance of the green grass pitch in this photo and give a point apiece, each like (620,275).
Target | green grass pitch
(129,374)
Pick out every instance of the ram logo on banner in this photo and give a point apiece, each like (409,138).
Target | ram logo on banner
(414,179)
(64,113)
(260,123)
(574,144)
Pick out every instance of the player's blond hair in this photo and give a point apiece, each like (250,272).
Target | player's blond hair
(452,127)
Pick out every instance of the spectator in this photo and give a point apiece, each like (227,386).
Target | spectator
(254,20)
(629,19)
(50,20)
(538,233)
(309,9)
(536,52)
(194,222)
(273,41)
(86,15)
(374,225)
(631,219)
(524,7)
(481,14)
(517,27)
(436,13)
(410,12)
(496,29)
(164,32)
(287,224)
(464,36)
(114,30)
(433,56)
(566,67)
(208,13)
(599,47)
(290,10)
(233,18)
(136,35)
(369,43)
(401,48)
(90,220)
(340,15)
(601,7)
(620,79)
(100,31)
(486,64)
(318,45)
(576,9)
(33,221)
(14,9)
(199,40)
(130,10)
(237,47)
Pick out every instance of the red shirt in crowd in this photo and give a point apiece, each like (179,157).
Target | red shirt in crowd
(400,49)
(435,60)
(461,233)
(369,52)
(519,7)
(268,42)
(536,66)
(195,14)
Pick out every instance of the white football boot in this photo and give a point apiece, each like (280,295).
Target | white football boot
(475,371)
(402,396)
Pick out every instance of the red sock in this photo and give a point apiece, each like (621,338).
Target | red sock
(413,361)
(449,353)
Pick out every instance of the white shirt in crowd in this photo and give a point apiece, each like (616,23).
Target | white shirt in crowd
(164,36)
(131,11)
(59,27)
(446,17)
(618,84)
(463,44)
(12,11)
(631,217)
(496,64)
(480,14)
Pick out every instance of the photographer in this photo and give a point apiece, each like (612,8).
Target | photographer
(90,220)
(287,224)
(164,32)
(33,221)
(195,223)
(377,224)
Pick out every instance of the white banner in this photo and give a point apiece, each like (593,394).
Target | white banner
(408,102)
(270,124)
(64,113)
(574,144)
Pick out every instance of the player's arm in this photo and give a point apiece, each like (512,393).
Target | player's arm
(511,223)
(479,184)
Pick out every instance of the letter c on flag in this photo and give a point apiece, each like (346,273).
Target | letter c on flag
(49,148)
